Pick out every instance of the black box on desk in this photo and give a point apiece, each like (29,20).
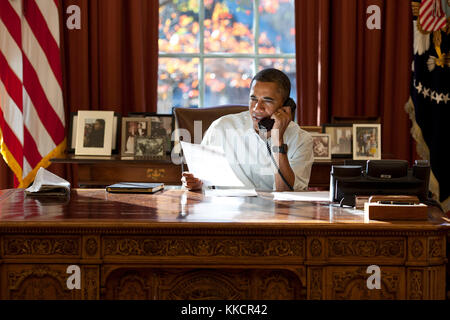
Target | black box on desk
(379,177)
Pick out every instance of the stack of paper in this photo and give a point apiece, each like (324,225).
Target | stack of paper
(48,184)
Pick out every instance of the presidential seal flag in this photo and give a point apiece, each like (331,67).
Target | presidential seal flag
(31,102)
(430,91)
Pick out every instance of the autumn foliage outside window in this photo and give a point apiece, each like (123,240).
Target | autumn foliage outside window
(210,49)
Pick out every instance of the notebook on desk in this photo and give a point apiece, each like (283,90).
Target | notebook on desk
(135,187)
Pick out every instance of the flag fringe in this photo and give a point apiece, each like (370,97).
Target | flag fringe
(424,153)
(45,162)
(9,158)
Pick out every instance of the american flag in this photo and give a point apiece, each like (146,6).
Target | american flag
(31,102)
(429,107)
(431,15)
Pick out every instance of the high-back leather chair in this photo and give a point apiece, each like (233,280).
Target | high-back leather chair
(185,117)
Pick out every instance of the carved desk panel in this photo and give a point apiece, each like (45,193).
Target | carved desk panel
(183,245)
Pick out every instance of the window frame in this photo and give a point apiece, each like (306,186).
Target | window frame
(201,55)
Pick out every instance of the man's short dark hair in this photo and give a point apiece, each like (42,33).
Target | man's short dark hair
(277,76)
(101,121)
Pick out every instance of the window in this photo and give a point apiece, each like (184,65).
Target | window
(209,50)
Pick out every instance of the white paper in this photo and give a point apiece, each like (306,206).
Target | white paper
(230,192)
(320,196)
(48,183)
(210,165)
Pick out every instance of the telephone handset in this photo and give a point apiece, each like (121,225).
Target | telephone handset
(267,123)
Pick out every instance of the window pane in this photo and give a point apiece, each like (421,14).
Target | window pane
(228,26)
(227,81)
(285,65)
(178,26)
(276,26)
(177,83)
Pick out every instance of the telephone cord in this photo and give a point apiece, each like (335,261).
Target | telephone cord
(278,168)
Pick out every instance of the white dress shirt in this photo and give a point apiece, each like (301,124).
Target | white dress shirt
(248,155)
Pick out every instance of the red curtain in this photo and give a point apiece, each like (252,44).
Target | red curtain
(111,63)
(344,69)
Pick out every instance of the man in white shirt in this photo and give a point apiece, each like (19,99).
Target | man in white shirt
(279,159)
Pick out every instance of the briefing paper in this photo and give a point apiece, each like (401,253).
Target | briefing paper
(209,164)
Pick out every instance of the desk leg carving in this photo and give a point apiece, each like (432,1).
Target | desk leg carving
(315,283)
(91,278)
(426,283)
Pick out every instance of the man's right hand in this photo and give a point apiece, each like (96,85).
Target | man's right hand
(190,182)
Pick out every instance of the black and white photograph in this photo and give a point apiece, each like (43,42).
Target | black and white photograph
(133,127)
(321,146)
(340,139)
(162,127)
(94,133)
(366,141)
(148,147)
(73,132)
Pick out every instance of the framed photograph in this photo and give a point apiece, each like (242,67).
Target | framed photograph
(72,136)
(146,147)
(315,129)
(94,133)
(321,146)
(71,141)
(366,141)
(162,127)
(133,127)
(340,139)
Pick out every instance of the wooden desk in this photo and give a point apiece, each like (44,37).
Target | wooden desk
(103,171)
(183,245)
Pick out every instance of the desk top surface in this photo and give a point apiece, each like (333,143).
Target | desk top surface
(179,208)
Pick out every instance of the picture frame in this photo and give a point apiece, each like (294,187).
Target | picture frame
(72,134)
(341,139)
(321,146)
(367,141)
(132,127)
(94,134)
(315,129)
(146,147)
(162,126)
